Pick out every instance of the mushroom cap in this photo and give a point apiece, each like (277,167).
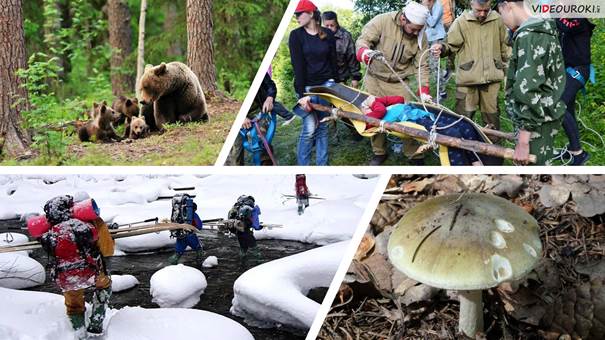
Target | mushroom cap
(465,242)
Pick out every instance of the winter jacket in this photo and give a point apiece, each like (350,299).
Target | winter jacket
(434,23)
(75,256)
(267,89)
(575,35)
(347,66)
(301,186)
(536,77)
(481,49)
(385,34)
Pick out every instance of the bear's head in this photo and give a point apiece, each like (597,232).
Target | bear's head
(131,107)
(154,83)
(103,114)
(138,127)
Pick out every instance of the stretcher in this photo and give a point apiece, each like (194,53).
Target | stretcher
(349,100)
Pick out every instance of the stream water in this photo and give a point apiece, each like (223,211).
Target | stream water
(219,293)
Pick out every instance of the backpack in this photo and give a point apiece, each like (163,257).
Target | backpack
(182,209)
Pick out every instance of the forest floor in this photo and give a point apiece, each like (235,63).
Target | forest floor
(182,144)
(562,298)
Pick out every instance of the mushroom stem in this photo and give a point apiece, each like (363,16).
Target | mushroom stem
(471,312)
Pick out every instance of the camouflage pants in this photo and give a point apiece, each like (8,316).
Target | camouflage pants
(74,299)
(542,140)
(379,88)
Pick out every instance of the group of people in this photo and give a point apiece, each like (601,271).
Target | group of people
(77,247)
(543,64)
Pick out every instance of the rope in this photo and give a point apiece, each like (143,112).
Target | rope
(265,143)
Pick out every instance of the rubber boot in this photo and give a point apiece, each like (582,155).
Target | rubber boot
(174,259)
(100,299)
(77,322)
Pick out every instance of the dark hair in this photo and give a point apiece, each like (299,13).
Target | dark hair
(317,18)
(329,15)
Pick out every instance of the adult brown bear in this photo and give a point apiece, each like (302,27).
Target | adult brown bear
(175,92)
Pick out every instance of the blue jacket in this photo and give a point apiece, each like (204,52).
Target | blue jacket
(254,218)
(434,23)
(197,221)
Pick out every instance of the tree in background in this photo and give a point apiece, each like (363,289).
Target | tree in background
(14,139)
(200,50)
(120,40)
(141,46)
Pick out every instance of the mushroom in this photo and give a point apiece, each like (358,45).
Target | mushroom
(466,242)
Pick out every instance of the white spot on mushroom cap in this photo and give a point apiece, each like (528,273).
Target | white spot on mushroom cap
(497,240)
(501,268)
(530,250)
(397,252)
(504,226)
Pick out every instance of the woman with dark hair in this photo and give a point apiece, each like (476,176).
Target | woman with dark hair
(313,57)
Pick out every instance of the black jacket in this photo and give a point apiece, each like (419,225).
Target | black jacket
(267,89)
(574,35)
(313,59)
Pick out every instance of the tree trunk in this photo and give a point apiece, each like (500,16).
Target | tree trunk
(14,139)
(174,47)
(120,40)
(141,48)
(200,50)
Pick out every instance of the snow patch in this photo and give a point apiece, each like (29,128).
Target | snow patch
(122,282)
(210,261)
(274,293)
(177,286)
(18,271)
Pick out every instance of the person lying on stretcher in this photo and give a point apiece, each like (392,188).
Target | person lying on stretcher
(393,109)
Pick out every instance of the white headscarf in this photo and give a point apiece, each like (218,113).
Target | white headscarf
(416,13)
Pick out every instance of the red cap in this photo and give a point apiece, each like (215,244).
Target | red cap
(305,6)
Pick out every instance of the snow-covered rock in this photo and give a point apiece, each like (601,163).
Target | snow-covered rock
(177,286)
(18,271)
(274,293)
(122,282)
(210,261)
(13,239)
(145,242)
(27,315)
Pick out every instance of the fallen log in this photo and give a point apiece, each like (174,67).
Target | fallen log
(453,142)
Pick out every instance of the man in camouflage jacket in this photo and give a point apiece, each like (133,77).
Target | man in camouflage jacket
(534,83)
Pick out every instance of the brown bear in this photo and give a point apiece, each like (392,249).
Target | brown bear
(175,92)
(100,127)
(138,128)
(125,109)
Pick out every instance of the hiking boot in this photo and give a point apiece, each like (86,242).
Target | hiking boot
(100,301)
(77,322)
(580,159)
(255,253)
(378,160)
(301,209)
(174,259)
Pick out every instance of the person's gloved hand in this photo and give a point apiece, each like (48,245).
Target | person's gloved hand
(365,55)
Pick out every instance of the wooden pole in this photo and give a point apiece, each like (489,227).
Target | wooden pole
(470,145)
